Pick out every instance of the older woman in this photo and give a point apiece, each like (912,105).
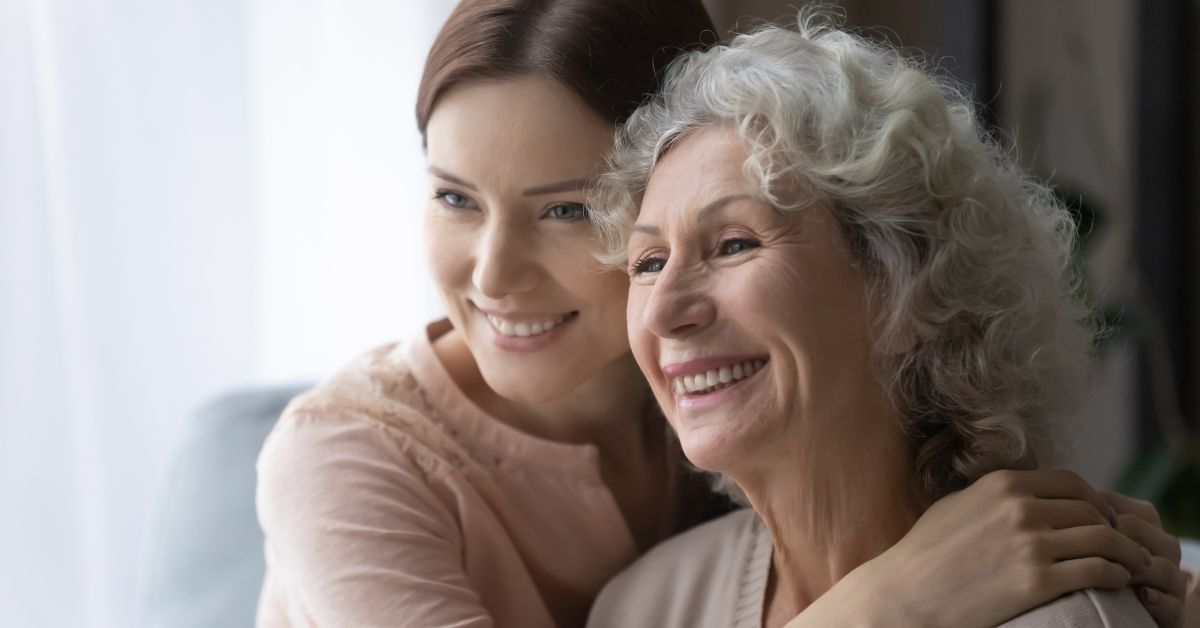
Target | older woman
(850,303)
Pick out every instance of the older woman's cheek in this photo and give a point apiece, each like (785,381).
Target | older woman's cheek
(640,340)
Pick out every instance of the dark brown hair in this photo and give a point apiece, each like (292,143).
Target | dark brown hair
(609,53)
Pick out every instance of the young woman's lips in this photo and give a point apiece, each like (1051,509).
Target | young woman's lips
(525,333)
(740,373)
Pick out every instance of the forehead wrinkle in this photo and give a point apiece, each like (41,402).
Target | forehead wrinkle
(721,204)
(707,211)
(647,229)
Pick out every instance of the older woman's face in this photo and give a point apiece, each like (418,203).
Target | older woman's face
(751,323)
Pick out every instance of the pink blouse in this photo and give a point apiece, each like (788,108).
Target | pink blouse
(389,499)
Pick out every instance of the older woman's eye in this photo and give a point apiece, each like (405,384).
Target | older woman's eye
(569,212)
(734,246)
(453,199)
(648,265)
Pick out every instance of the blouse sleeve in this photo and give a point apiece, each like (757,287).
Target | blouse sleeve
(1090,608)
(356,532)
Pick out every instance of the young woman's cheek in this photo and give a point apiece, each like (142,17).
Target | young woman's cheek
(448,252)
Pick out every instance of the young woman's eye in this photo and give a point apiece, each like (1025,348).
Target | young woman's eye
(453,199)
(569,212)
(734,246)
(648,265)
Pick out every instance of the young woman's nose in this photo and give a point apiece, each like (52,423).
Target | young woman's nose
(679,304)
(504,263)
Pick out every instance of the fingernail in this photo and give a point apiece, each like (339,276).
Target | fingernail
(1112,517)
(1146,557)
(1150,595)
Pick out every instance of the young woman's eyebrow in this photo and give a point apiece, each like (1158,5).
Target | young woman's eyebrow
(442,174)
(570,185)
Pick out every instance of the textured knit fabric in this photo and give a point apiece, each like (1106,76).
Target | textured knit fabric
(388,498)
(715,576)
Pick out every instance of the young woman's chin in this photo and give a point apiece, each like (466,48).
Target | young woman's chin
(531,386)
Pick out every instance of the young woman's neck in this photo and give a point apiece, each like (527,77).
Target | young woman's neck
(607,410)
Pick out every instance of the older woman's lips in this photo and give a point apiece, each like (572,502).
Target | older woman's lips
(705,378)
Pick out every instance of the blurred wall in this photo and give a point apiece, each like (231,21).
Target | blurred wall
(1067,73)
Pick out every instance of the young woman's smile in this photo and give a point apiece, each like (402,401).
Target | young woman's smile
(519,331)
(509,239)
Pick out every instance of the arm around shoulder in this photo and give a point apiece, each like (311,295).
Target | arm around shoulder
(1090,608)
(356,533)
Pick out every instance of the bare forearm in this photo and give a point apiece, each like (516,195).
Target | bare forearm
(863,599)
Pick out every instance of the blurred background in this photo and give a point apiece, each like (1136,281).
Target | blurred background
(206,206)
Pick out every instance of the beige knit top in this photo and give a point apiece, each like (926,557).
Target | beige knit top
(715,576)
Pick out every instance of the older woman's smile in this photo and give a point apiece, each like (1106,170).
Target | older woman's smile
(702,378)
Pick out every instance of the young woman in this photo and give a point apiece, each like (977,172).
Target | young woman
(501,466)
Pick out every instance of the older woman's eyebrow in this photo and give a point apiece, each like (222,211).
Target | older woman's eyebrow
(442,174)
(715,206)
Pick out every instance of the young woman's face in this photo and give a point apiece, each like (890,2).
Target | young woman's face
(509,241)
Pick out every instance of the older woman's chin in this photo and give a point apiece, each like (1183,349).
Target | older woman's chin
(715,448)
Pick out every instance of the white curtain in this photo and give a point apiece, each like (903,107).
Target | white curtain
(195,196)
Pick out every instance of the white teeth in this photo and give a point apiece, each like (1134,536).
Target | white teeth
(715,379)
(524,330)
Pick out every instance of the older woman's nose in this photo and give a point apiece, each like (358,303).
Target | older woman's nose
(503,264)
(678,306)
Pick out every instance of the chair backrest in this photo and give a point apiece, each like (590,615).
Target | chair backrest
(202,561)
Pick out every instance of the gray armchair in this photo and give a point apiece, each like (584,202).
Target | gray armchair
(202,563)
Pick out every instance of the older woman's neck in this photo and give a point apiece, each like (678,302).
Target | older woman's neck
(833,503)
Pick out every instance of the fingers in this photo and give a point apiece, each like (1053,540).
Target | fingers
(1150,536)
(1161,587)
(1092,572)
(1059,514)
(1104,542)
(1046,484)
(1143,510)
(1191,607)
(1162,575)
(1167,611)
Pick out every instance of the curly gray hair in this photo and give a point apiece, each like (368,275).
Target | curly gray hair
(970,257)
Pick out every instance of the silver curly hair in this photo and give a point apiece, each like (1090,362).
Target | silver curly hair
(970,257)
